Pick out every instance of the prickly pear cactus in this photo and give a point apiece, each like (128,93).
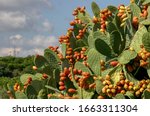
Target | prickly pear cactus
(106,55)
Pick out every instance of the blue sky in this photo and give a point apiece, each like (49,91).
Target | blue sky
(30,26)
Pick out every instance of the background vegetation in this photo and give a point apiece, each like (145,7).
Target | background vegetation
(15,66)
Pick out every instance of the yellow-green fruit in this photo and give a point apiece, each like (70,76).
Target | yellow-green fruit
(113,90)
(137,93)
(136,88)
(108,90)
(122,24)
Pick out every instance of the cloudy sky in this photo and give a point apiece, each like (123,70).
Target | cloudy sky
(32,25)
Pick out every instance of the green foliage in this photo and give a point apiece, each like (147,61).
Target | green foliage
(129,76)
(119,96)
(116,76)
(146,94)
(115,40)
(113,9)
(85,17)
(85,94)
(42,94)
(99,86)
(95,9)
(64,47)
(40,61)
(146,41)
(135,10)
(137,39)
(94,61)
(130,95)
(25,77)
(80,66)
(15,66)
(102,47)
(146,2)
(127,56)
(31,92)
(20,95)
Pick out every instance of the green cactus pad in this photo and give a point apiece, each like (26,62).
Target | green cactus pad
(20,95)
(137,39)
(146,41)
(95,9)
(94,58)
(102,47)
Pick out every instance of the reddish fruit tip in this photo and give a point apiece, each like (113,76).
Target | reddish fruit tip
(114,63)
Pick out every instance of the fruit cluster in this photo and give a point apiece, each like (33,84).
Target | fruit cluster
(64,39)
(55,49)
(75,13)
(140,87)
(81,33)
(123,14)
(111,90)
(73,56)
(69,54)
(104,15)
(63,76)
(123,86)
(80,55)
(144,55)
(77,10)
(81,78)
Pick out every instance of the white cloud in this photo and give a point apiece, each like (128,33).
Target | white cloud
(12,20)
(16,37)
(23,15)
(23,26)
(24,4)
(25,46)
(42,41)
(32,51)
(47,26)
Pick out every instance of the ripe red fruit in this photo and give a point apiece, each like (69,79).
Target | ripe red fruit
(34,68)
(101,97)
(45,76)
(95,20)
(71,90)
(78,37)
(114,63)
(62,78)
(135,20)
(61,83)
(61,88)
(72,23)
(75,13)
(29,79)
(62,74)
